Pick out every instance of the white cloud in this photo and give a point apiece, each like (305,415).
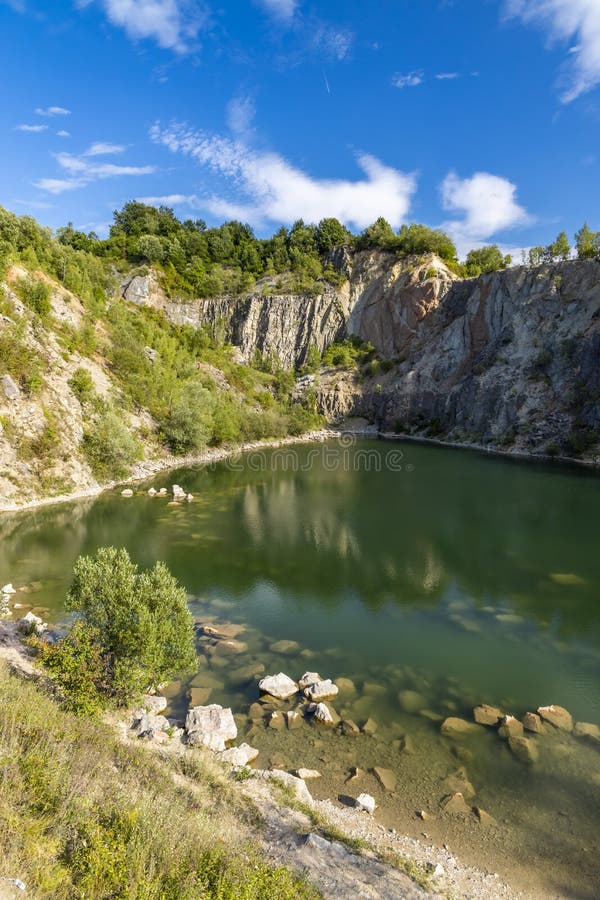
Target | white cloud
(51,111)
(272,189)
(31,129)
(101,148)
(240,115)
(173,24)
(80,173)
(567,20)
(447,76)
(413,79)
(63,134)
(488,204)
(190,200)
(279,9)
(335,43)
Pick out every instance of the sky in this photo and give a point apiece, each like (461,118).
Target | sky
(481,117)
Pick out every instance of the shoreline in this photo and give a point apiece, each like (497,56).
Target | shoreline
(147,468)
(150,467)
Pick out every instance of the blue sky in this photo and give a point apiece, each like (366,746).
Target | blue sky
(480,117)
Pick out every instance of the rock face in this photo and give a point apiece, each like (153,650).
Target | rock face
(211,726)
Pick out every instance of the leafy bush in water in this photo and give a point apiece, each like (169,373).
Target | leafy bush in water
(109,446)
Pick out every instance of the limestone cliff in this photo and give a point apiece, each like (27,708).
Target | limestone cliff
(510,360)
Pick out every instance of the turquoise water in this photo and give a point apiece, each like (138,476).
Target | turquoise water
(466,577)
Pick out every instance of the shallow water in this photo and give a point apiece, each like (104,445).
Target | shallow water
(464,577)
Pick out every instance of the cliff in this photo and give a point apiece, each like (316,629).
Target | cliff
(510,360)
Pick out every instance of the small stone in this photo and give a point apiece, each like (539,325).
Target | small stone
(436,871)
(510,727)
(431,715)
(199,696)
(293,719)
(127,493)
(32,623)
(324,713)
(349,728)
(557,716)
(285,647)
(370,727)
(411,701)
(366,803)
(483,817)
(385,777)
(456,728)
(458,782)
(322,690)
(487,715)
(524,749)
(189,498)
(276,721)
(532,722)
(280,686)
(162,492)
(296,784)
(152,492)
(421,814)
(307,774)
(355,773)
(308,679)
(8,589)
(239,756)
(404,744)
(10,387)
(150,726)
(456,805)
(587,730)
(155,703)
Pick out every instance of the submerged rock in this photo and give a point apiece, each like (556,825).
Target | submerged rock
(456,805)
(279,686)
(345,685)
(276,721)
(127,493)
(370,727)
(411,701)
(483,817)
(557,716)
(366,803)
(349,728)
(524,749)
(487,715)
(458,783)
(385,777)
(587,730)
(307,774)
(510,727)
(456,728)
(532,722)
(293,719)
(285,647)
(211,726)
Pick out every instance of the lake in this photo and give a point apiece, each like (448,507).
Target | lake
(434,579)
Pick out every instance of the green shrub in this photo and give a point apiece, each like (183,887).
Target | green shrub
(187,426)
(136,629)
(77,665)
(82,384)
(36,295)
(109,447)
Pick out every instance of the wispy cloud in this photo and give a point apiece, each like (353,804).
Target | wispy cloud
(575,21)
(63,134)
(413,79)
(282,10)
(81,172)
(268,188)
(102,148)
(240,115)
(51,111)
(487,204)
(189,200)
(447,76)
(332,42)
(31,129)
(173,24)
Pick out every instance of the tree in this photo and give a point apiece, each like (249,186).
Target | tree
(187,426)
(417,240)
(486,259)
(560,249)
(587,243)
(331,233)
(379,235)
(139,621)
(151,248)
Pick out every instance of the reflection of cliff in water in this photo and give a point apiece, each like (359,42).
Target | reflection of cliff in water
(518,537)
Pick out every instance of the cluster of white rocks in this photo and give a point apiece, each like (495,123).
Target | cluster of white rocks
(177,492)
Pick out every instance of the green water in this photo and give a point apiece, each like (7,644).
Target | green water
(466,577)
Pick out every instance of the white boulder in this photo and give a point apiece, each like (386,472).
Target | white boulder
(210,726)
(366,803)
(279,686)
